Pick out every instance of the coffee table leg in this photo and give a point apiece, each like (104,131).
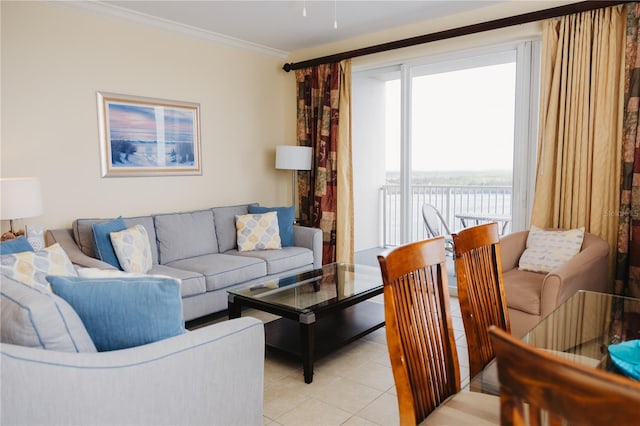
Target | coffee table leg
(308,343)
(233,307)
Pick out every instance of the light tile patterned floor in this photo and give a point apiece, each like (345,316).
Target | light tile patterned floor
(353,386)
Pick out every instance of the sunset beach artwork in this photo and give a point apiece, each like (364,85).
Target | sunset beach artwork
(147,136)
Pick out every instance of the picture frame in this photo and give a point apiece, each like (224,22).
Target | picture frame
(142,136)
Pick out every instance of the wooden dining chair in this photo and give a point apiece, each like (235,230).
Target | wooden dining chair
(480,290)
(420,337)
(534,385)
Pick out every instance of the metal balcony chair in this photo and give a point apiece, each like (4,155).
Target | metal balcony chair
(436,226)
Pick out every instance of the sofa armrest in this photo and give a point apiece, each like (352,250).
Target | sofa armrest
(64,237)
(213,375)
(310,238)
(511,248)
(587,270)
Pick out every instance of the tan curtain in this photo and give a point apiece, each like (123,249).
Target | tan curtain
(579,153)
(344,225)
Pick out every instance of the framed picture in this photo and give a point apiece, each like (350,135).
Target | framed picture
(148,137)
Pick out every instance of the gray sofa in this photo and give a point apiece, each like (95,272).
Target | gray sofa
(210,376)
(199,248)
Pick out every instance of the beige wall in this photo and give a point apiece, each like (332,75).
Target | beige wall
(54,60)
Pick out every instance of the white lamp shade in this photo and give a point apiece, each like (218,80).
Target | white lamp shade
(21,198)
(293,157)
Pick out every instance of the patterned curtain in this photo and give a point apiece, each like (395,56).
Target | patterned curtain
(318,96)
(628,254)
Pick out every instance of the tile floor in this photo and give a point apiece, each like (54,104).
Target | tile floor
(353,386)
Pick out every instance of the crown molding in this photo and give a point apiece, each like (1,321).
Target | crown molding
(102,8)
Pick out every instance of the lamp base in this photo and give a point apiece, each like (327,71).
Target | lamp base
(11,235)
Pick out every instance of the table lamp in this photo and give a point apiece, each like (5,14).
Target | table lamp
(293,158)
(21,198)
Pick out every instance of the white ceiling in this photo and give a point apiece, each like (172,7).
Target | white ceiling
(279,26)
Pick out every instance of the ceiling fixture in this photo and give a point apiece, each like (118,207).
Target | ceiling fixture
(304,8)
(335,15)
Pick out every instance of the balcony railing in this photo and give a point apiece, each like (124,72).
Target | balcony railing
(449,200)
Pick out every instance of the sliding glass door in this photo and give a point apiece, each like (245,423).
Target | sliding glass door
(458,133)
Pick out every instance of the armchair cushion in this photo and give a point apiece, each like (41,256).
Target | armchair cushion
(522,290)
(548,249)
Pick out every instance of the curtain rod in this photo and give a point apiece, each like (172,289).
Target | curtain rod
(524,18)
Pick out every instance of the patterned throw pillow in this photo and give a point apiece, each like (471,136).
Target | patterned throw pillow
(258,231)
(286,217)
(31,268)
(133,249)
(547,250)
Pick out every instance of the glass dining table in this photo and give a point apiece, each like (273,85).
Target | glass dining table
(581,329)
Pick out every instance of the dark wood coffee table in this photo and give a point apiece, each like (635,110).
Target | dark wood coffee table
(321,310)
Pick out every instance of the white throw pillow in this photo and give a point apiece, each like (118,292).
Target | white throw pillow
(133,249)
(547,250)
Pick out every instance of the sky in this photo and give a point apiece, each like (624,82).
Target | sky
(463,120)
(143,123)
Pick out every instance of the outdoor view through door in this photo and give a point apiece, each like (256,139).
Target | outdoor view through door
(445,133)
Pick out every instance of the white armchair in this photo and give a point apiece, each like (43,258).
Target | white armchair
(212,376)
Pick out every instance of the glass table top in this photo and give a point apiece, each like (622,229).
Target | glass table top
(581,329)
(333,284)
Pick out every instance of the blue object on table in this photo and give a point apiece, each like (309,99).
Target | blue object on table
(626,356)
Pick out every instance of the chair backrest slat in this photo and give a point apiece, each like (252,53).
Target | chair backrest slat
(480,290)
(535,384)
(419,328)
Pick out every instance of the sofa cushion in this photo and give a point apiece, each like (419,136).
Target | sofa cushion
(223,270)
(225,220)
(102,245)
(286,217)
(185,235)
(280,260)
(133,249)
(523,290)
(83,233)
(16,245)
(548,249)
(191,283)
(32,267)
(124,312)
(34,317)
(258,232)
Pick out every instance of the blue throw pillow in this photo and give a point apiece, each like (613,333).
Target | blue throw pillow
(124,312)
(18,245)
(102,240)
(285,221)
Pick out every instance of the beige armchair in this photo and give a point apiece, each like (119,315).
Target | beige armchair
(533,295)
